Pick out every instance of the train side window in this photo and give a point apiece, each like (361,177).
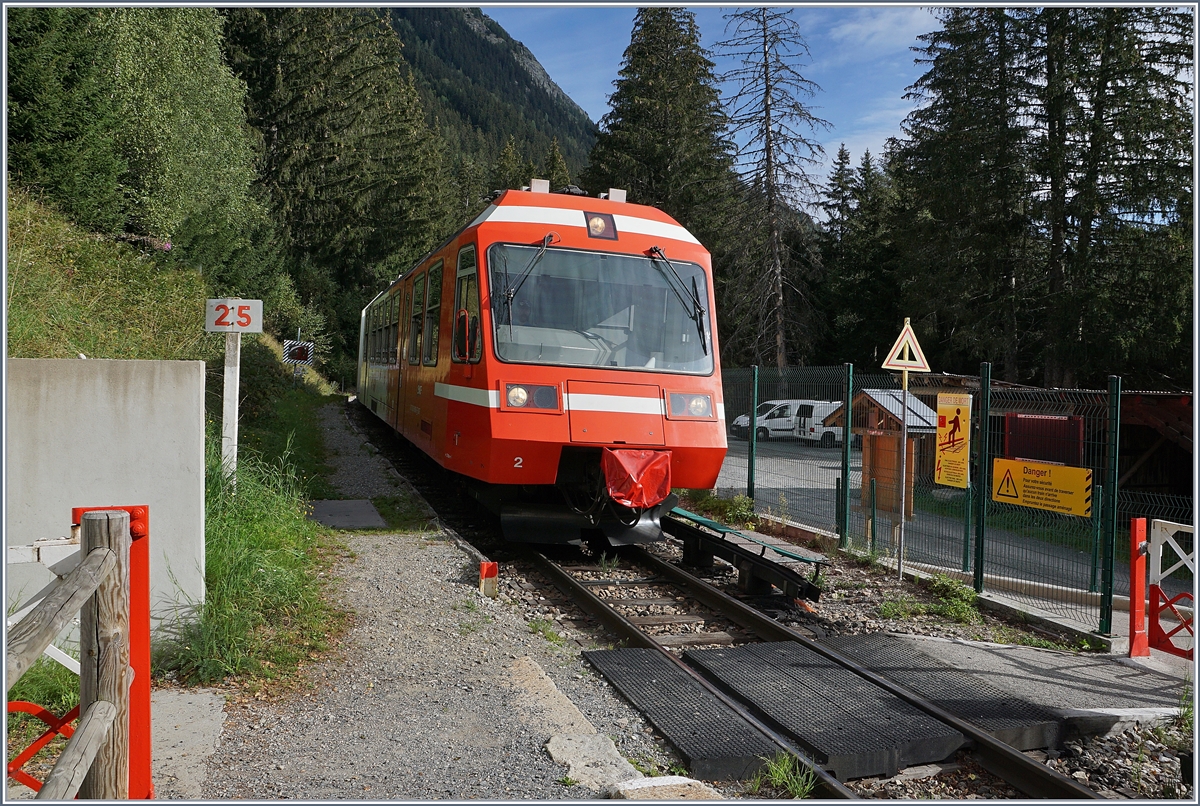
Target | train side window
(414,327)
(374,337)
(466,308)
(433,312)
(394,330)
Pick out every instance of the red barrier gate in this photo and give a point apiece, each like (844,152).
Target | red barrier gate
(1164,534)
(141,787)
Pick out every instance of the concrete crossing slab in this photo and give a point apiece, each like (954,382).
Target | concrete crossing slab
(360,514)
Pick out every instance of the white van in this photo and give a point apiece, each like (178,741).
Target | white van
(775,418)
(810,423)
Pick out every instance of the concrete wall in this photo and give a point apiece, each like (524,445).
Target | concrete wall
(83,433)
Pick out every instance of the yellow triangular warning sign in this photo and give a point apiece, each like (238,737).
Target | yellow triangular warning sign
(906,353)
(1008,487)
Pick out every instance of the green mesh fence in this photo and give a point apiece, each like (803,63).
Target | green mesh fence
(791,462)
(797,467)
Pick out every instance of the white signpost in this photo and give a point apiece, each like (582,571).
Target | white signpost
(905,356)
(233,317)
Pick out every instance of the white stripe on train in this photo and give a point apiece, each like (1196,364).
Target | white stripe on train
(555,217)
(617,404)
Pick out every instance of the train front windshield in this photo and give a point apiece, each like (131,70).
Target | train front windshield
(595,309)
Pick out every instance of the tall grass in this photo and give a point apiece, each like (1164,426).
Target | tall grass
(48,683)
(264,611)
(72,292)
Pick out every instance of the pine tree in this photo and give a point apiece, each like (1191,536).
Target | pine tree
(974,271)
(1118,170)
(62,120)
(1044,194)
(664,138)
(348,163)
(554,167)
(776,157)
(511,171)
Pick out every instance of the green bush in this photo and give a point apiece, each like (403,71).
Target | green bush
(737,512)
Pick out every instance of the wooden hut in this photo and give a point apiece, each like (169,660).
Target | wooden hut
(876,418)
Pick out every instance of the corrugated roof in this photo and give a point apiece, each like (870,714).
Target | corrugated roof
(920,417)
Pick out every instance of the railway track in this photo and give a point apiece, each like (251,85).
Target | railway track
(720,620)
(670,612)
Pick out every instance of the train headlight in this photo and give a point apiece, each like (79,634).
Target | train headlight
(690,405)
(530,397)
(517,396)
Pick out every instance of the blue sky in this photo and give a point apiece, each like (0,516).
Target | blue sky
(861,58)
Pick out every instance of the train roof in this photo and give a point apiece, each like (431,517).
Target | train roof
(563,210)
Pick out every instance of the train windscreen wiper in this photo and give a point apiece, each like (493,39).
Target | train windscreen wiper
(510,291)
(697,309)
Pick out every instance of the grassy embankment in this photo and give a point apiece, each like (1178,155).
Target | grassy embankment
(73,292)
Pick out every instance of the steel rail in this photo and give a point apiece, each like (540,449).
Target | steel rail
(827,785)
(1025,774)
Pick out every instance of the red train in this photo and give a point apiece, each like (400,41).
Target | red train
(560,353)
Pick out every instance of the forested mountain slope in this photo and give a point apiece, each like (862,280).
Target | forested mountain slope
(483,86)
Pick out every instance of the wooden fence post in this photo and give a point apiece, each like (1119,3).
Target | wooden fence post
(104,654)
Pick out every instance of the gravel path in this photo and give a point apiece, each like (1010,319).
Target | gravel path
(437,692)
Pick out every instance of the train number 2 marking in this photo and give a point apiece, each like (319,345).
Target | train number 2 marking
(517,460)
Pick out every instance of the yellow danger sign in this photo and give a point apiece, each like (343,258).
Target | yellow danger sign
(1056,488)
(953,441)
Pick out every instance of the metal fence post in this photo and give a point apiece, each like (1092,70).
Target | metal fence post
(844,492)
(985,475)
(752,437)
(1110,510)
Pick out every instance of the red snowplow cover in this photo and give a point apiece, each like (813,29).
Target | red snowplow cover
(637,479)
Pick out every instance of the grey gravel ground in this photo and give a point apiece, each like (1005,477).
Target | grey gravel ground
(436,692)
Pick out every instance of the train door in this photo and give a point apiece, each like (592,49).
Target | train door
(430,347)
(395,299)
(410,416)
(417,399)
(467,344)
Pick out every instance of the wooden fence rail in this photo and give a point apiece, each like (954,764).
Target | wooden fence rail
(29,639)
(95,763)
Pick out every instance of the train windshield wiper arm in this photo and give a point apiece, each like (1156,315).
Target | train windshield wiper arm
(510,291)
(697,309)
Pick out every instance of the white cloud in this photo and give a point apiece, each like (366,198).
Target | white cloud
(877,33)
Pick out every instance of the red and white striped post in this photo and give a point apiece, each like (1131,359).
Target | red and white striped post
(489,577)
